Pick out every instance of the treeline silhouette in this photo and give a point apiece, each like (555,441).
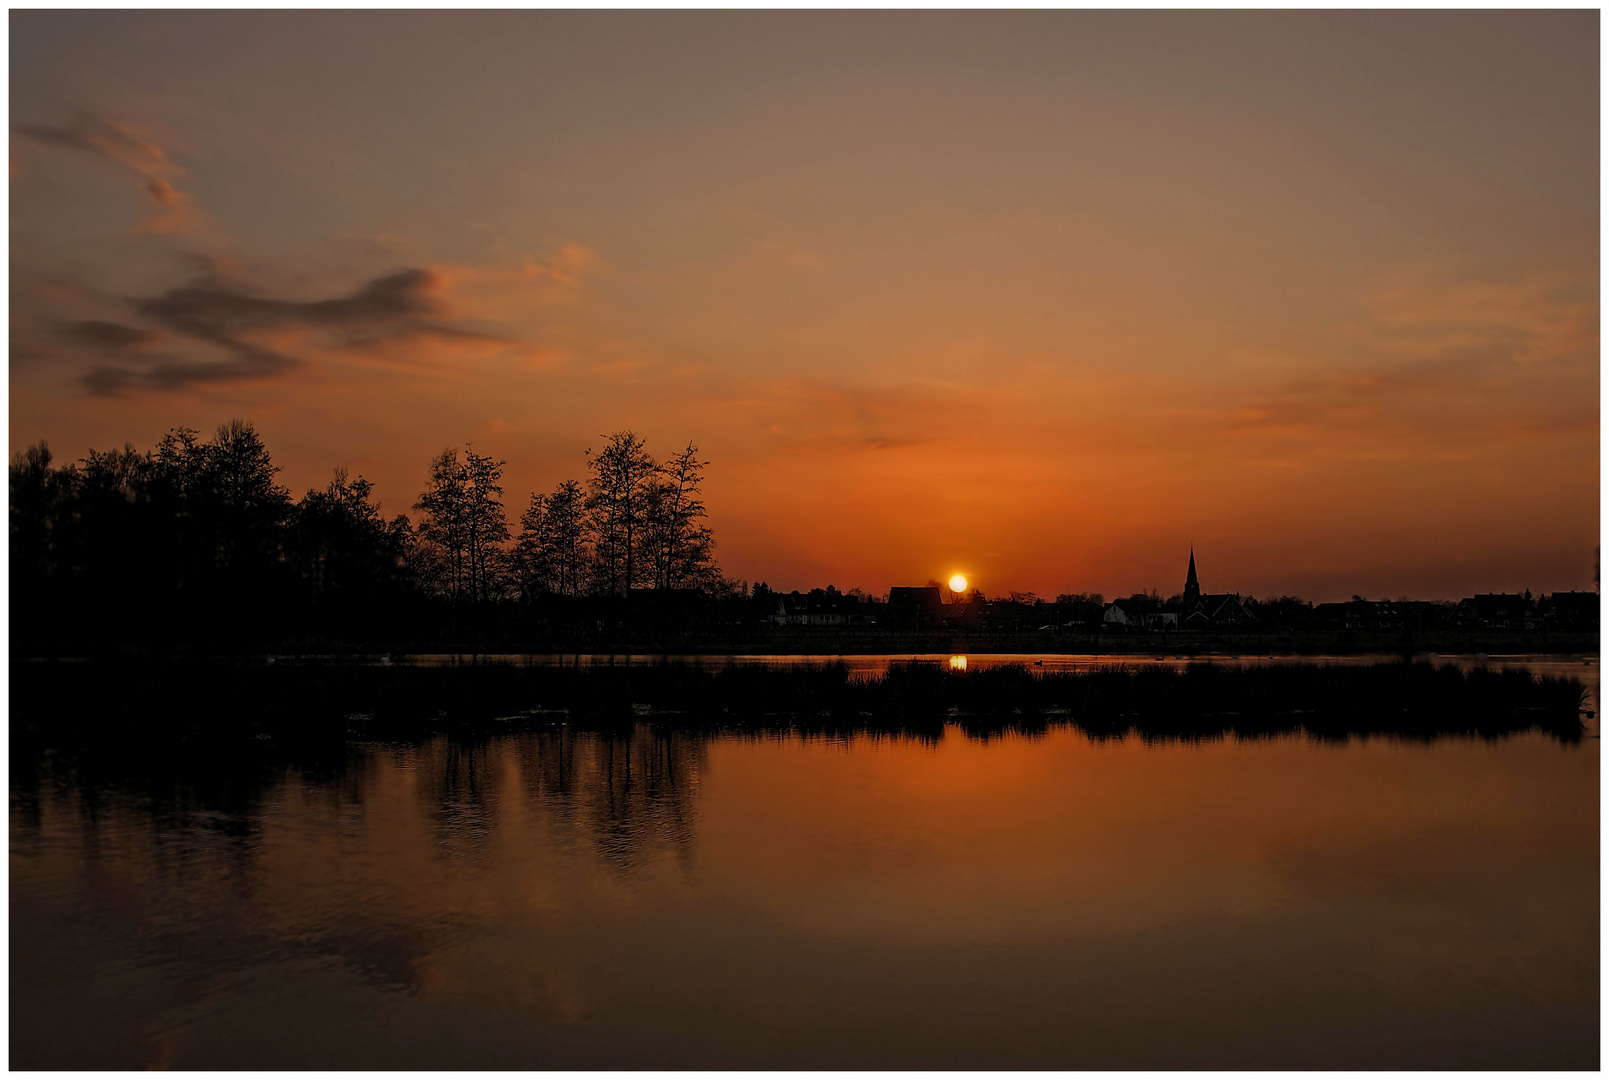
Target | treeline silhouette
(196,545)
(1415,700)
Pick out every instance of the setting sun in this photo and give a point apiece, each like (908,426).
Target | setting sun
(958,583)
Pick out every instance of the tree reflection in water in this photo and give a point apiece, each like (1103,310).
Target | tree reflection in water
(549,896)
(623,794)
(372,858)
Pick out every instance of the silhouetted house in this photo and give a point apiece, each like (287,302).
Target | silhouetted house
(1572,611)
(1010,614)
(1424,615)
(914,607)
(1140,612)
(823,607)
(1501,611)
(1165,617)
(1079,616)
(973,612)
(1280,613)
(1358,614)
(1217,611)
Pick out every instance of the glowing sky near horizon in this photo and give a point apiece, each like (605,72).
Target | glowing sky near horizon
(1048,296)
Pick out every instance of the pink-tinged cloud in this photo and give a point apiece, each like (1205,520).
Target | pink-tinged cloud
(498,290)
(122,146)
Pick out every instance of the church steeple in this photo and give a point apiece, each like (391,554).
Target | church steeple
(1192,588)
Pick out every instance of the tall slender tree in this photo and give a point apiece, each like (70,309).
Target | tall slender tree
(247,508)
(618,494)
(531,567)
(682,545)
(486,522)
(563,537)
(443,526)
(38,493)
(463,520)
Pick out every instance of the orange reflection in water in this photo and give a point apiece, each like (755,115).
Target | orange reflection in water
(877,901)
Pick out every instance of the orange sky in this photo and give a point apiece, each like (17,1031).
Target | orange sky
(1041,297)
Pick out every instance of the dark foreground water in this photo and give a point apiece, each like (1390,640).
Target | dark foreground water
(554,898)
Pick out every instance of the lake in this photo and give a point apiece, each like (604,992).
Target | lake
(648,898)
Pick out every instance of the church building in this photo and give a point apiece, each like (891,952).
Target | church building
(1209,611)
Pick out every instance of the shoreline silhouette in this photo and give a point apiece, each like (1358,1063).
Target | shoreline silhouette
(195,549)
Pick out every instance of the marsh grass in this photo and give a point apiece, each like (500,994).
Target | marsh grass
(1199,701)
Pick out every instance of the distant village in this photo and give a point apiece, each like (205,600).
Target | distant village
(932,606)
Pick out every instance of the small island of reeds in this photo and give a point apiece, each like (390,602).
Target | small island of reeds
(1198,701)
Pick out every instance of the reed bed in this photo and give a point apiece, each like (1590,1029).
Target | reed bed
(1200,701)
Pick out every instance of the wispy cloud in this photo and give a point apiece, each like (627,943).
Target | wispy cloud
(554,278)
(1443,367)
(1529,320)
(171,210)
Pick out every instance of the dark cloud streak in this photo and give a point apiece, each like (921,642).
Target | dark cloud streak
(108,335)
(110,381)
(219,313)
(400,306)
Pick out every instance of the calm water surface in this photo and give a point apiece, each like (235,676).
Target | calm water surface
(652,899)
(1581,667)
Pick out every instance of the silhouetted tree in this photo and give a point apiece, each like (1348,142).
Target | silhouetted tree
(122,474)
(551,554)
(196,543)
(444,526)
(531,568)
(463,519)
(246,507)
(191,535)
(618,497)
(1284,612)
(564,547)
(42,539)
(239,471)
(179,461)
(344,549)
(36,495)
(682,546)
(116,527)
(487,527)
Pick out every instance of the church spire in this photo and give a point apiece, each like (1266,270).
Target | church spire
(1192,588)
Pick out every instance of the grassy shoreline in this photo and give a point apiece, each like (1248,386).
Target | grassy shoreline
(828,643)
(227,701)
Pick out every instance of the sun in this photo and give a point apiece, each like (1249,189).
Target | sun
(958,583)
